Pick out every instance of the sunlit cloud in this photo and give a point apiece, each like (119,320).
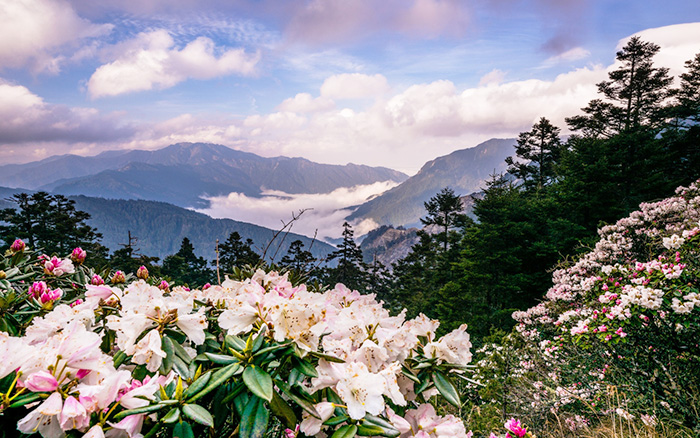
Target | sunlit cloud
(152,60)
(323,214)
(33,32)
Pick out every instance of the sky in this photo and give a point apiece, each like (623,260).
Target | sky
(390,83)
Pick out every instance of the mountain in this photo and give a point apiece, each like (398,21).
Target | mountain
(388,245)
(160,227)
(465,171)
(185,173)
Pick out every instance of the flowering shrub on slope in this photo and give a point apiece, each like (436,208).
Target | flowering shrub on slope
(144,359)
(624,316)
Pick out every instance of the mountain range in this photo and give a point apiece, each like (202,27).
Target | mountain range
(464,170)
(185,174)
(160,227)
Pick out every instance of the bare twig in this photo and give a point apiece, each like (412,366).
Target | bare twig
(286,226)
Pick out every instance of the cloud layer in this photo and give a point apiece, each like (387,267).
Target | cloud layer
(324,215)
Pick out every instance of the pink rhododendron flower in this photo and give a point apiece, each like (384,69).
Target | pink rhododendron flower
(37,288)
(17,246)
(78,255)
(74,415)
(44,419)
(41,381)
(50,296)
(58,267)
(514,426)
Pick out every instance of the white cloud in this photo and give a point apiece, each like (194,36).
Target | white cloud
(306,103)
(494,77)
(325,214)
(354,86)
(151,60)
(575,54)
(26,118)
(679,43)
(33,31)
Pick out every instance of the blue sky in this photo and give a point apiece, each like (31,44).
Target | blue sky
(391,82)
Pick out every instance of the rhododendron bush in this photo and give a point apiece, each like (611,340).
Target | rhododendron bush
(619,330)
(139,357)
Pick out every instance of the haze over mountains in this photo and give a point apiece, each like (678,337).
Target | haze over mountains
(185,173)
(192,174)
(464,170)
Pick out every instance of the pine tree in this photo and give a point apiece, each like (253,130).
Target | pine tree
(50,222)
(237,253)
(185,267)
(446,211)
(350,270)
(634,95)
(539,149)
(297,258)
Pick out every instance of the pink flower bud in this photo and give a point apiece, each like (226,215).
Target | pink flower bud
(77,302)
(96,280)
(101,291)
(514,426)
(41,381)
(164,285)
(206,286)
(17,246)
(142,273)
(50,296)
(118,278)
(37,288)
(78,255)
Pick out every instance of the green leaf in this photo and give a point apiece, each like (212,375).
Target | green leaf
(167,363)
(197,385)
(388,429)
(172,416)
(181,352)
(217,379)
(272,348)
(143,410)
(334,421)
(181,367)
(221,358)
(305,404)
(254,419)
(281,410)
(240,386)
(235,342)
(119,358)
(258,381)
(305,368)
(446,388)
(347,431)
(198,414)
(326,357)
(369,430)
(25,399)
(183,430)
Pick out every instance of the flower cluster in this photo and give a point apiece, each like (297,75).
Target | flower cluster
(127,359)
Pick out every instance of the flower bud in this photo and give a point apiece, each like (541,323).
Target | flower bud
(118,278)
(41,381)
(206,286)
(78,255)
(17,246)
(3,275)
(164,286)
(37,288)
(96,280)
(142,273)
(50,296)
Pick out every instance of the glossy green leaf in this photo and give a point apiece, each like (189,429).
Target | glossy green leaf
(347,431)
(167,363)
(172,416)
(198,414)
(183,430)
(446,388)
(281,410)
(369,430)
(217,379)
(254,419)
(143,410)
(221,358)
(258,381)
(197,385)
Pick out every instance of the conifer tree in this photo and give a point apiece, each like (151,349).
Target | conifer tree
(235,252)
(539,150)
(184,266)
(297,258)
(350,270)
